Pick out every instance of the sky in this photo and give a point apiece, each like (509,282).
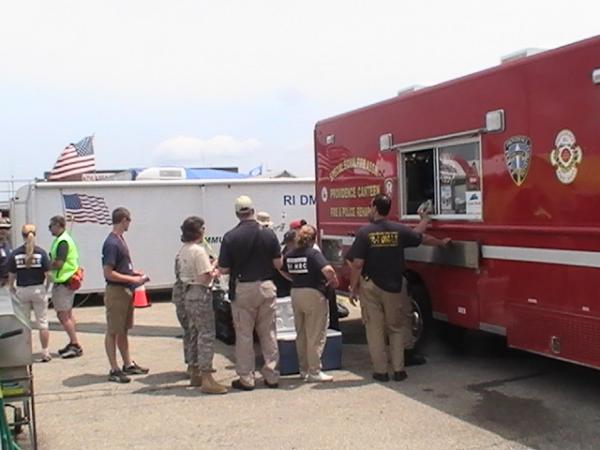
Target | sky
(236,83)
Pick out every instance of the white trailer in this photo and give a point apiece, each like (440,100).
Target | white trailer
(158,208)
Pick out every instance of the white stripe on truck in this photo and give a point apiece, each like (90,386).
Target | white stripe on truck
(580,258)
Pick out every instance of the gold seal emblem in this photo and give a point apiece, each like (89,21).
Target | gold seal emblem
(566,156)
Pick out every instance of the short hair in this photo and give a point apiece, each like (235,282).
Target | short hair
(58,220)
(382,203)
(119,214)
(192,229)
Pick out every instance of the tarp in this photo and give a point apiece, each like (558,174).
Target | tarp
(212,174)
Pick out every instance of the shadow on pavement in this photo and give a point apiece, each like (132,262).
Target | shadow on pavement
(163,378)
(520,396)
(137,330)
(85,379)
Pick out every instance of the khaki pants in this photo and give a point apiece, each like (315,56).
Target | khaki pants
(119,309)
(311,311)
(254,309)
(385,313)
(34,297)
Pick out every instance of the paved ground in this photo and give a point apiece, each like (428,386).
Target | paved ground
(482,396)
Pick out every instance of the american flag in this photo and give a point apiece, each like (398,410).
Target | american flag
(83,208)
(74,160)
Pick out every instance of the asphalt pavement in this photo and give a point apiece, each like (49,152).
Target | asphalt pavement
(472,394)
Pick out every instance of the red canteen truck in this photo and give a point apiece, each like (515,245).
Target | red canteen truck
(510,159)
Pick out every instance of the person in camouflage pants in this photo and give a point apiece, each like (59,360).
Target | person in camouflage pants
(192,295)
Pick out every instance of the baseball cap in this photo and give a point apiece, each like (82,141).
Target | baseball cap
(243,203)
(298,223)
(289,236)
(264,218)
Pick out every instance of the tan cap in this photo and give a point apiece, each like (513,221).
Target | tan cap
(243,204)
(264,218)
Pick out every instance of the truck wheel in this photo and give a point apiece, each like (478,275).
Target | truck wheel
(421,315)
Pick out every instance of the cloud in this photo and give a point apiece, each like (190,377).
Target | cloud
(219,149)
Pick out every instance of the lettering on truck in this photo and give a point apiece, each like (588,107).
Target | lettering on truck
(302,199)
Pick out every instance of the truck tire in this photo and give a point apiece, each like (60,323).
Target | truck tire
(422,317)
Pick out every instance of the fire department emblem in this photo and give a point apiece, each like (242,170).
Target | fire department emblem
(517,155)
(566,156)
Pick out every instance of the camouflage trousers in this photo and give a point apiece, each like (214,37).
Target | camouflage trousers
(197,318)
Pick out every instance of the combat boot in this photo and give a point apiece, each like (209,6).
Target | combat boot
(190,369)
(195,377)
(210,386)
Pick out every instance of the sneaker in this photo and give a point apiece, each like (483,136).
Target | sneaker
(118,376)
(319,377)
(134,369)
(271,385)
(239,384)
(381,377)
(64,349)
(400,375)
(303,376)
(45,358)
(73,351)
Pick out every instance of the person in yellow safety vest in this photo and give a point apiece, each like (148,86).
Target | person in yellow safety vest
(64,258)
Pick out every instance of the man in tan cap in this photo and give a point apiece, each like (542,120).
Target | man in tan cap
(249,254)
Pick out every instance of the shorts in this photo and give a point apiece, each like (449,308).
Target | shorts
(62,297)
(34,297)
(119,309)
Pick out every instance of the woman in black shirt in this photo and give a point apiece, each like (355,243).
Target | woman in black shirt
(310,274)
(28,267)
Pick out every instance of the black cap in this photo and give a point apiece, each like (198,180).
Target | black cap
(289,236)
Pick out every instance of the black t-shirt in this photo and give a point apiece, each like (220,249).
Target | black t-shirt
(248,250)
(304,265)
(381,244)
(33,275)
(116,254)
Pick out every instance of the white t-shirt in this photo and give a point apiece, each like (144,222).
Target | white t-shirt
(193,262)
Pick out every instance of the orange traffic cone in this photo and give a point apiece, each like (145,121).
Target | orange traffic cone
(140,300)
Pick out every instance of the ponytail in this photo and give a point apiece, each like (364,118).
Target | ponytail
(28,233)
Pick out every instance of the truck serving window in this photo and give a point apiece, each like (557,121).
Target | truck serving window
(448,175)
(419,183)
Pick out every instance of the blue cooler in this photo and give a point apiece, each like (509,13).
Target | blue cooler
(288,357)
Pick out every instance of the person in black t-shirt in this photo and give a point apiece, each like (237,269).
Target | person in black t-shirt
(377,268)
(311,274)
(283,285)
(28,267)
(250,254)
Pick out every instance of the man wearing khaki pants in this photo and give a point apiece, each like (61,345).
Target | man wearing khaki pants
(377,269)
(121,279)
(250,254)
